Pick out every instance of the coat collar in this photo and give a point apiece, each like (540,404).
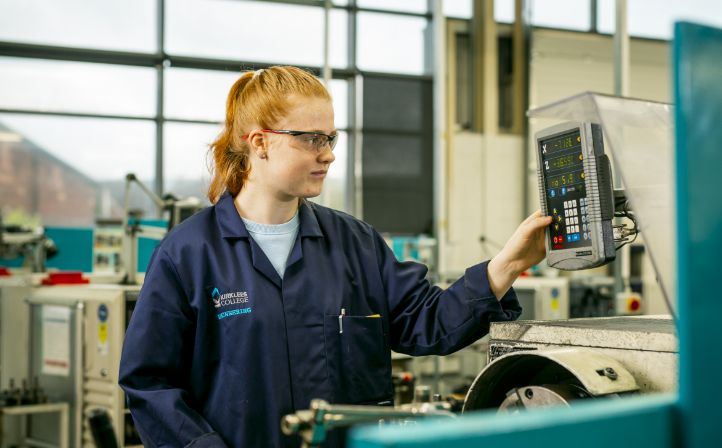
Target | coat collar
(232,226)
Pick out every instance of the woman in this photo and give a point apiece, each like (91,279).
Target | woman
(264,301)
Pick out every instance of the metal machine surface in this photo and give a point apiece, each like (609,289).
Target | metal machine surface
(76,335)
(534,363)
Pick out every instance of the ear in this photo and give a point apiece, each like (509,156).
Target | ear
(257,141)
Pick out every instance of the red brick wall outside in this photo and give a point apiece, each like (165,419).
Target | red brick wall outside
(39,185)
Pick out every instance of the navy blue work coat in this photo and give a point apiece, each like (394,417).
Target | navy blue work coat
(219,348)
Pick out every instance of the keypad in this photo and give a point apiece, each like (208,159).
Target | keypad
(575,220)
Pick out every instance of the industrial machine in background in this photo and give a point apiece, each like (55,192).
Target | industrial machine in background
(543,298)
(176,209)
(14,342)
(14,323)
(76,335)
(30,243)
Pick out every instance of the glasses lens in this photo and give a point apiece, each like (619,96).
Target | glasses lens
(316,142)
(332,141)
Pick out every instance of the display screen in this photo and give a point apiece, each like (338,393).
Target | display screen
(562,165)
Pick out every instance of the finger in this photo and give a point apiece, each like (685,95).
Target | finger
(529,218)
(539,222)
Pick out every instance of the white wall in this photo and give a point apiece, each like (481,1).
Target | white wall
(484,196)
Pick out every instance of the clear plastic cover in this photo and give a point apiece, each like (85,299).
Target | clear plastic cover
(639,138)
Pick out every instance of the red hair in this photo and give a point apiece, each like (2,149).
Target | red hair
(258,99)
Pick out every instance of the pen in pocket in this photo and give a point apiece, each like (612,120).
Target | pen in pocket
(340,320)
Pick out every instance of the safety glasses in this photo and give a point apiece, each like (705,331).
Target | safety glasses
(310,141)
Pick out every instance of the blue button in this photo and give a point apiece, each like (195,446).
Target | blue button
(102,313)
(555,292)
(564,191)
(552,193)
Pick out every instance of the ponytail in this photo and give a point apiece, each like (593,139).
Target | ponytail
(230,156)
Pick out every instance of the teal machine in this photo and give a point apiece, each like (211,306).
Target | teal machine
(691,417)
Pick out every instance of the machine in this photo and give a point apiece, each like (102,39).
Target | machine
(539,363)
(30,243)
(76,335)
(536,364)
(177,210)
(14,346)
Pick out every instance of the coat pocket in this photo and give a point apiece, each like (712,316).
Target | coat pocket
(358,359)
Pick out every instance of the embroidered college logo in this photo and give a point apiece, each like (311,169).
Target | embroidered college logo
(221,301)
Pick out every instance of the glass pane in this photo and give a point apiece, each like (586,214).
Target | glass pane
(192,94)
(110,24)
(197,94)
(504,11)
(339,93)
(185,162)
(397,191)
(567,14)
(397,104)
(655,19)
(419,6)
(461,9)
(43,85)
(605,16)
(393,44)
(254,31)
(70,170)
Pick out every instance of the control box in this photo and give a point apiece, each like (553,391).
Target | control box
(575,187)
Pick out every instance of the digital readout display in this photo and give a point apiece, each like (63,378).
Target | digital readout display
(563,166)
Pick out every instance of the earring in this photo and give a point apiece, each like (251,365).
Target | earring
(262,155)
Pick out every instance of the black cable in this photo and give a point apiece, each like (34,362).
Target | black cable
(626,213)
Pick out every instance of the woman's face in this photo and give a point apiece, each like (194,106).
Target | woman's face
(292,167)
